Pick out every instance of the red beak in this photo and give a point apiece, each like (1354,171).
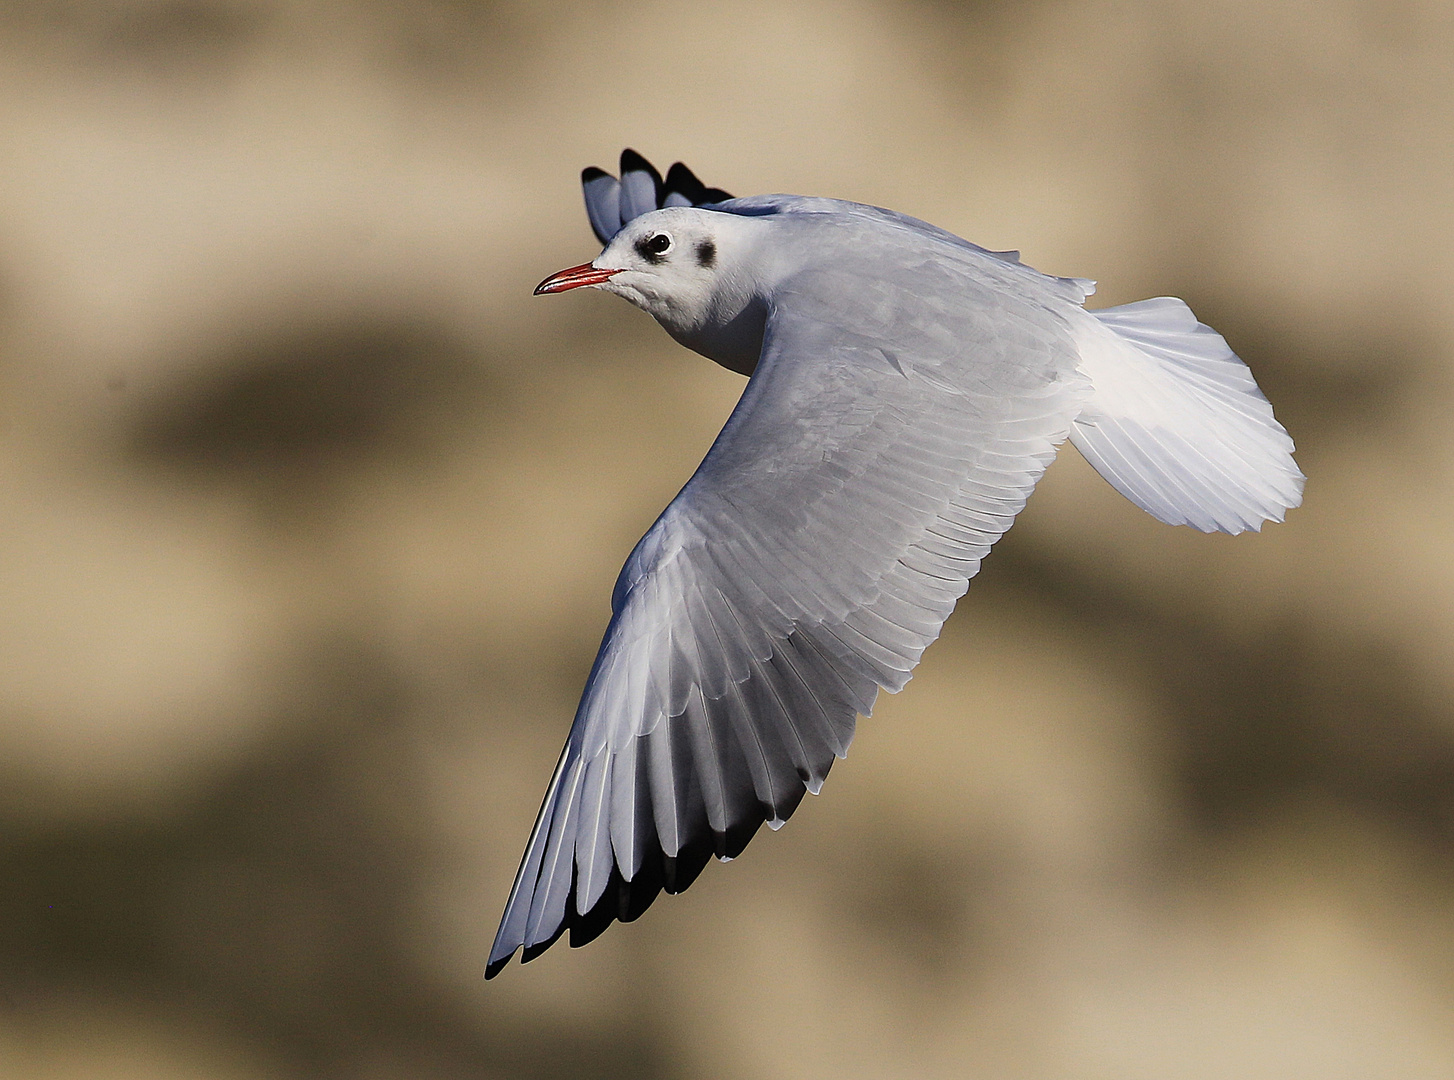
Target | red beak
(574,278)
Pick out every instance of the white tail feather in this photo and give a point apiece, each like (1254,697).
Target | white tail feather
(1177,424)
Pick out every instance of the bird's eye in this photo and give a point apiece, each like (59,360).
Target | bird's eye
(654,247)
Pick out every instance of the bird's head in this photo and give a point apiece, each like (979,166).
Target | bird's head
(695,271)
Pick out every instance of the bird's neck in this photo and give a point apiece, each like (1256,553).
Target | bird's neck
(732,339)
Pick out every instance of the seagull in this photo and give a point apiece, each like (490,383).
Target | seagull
(906,390)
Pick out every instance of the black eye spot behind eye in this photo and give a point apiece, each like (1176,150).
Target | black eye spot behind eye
(706,253)
(654,247)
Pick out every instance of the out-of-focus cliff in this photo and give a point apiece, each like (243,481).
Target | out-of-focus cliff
(309,516)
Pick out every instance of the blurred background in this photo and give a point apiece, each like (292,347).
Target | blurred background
(309,517)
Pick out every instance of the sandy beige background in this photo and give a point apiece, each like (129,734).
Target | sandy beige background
(309,515)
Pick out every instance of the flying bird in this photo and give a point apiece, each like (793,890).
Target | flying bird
(906,390)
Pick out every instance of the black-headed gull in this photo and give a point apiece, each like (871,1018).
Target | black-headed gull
(907,390)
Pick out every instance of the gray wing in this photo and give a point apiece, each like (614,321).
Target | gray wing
(875,456)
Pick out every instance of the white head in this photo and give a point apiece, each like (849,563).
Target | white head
(695,271)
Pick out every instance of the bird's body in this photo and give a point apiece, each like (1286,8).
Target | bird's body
(907,390)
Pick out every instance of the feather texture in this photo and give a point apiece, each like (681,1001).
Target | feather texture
(1177,423)
(740,653)
(910,390)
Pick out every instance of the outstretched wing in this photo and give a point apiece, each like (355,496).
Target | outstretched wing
(611,203)
(902,411)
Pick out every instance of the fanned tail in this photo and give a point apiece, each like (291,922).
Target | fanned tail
(1178,425)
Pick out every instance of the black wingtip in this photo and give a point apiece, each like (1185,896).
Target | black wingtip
(679,873)
(684,182)
(530,952)
(590,172)
(631,161)
(622,901)
(638,893)
(497,966)
(586,928)
(734,841)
